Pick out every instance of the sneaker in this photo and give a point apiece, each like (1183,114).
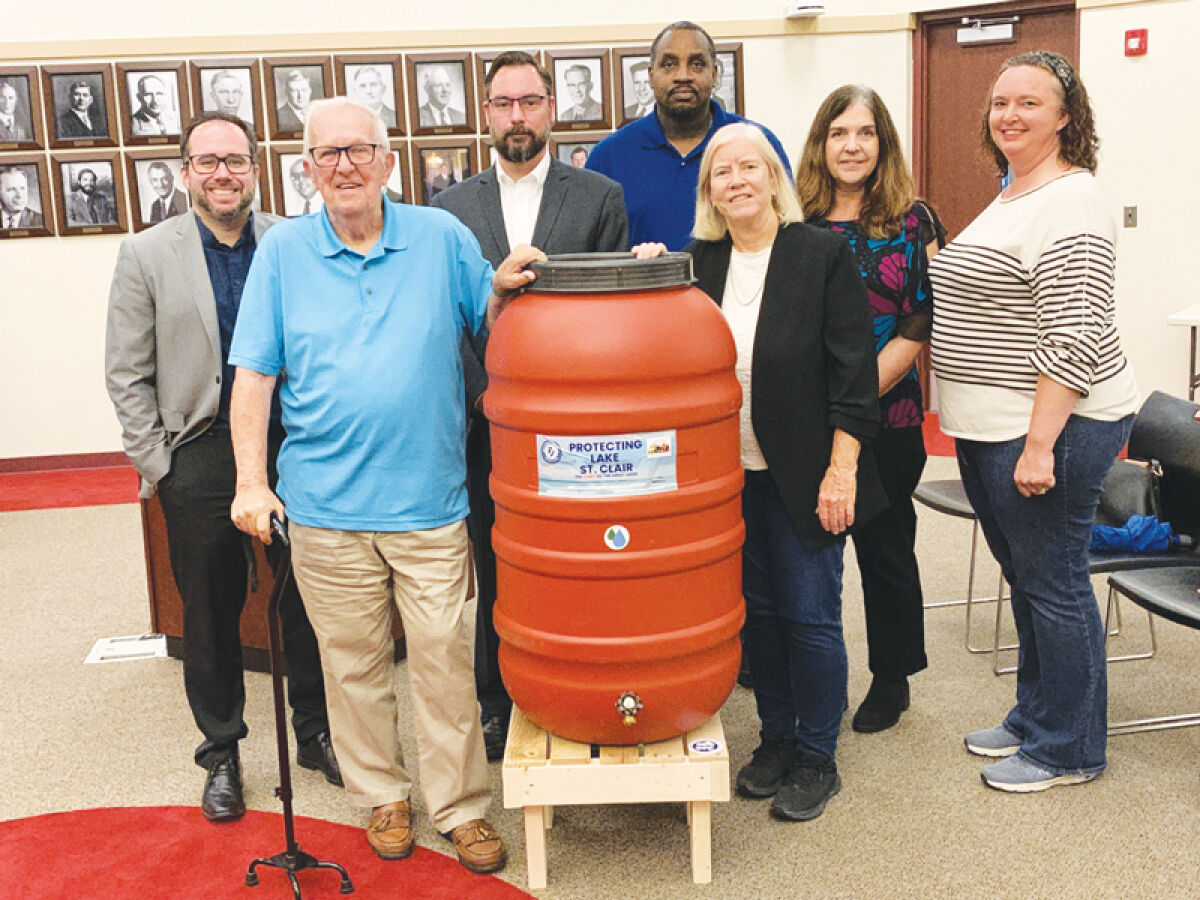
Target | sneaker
(994,743)
(762,776)
(1018,775)
(809,784)
(881,708)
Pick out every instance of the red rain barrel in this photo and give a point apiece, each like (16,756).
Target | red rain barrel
(617,478)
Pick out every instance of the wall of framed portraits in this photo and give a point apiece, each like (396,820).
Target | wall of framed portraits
(84,193)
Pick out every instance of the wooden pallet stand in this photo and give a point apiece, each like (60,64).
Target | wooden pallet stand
(542,771)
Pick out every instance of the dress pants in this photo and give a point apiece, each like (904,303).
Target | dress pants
(887,563)
(493,698)
(209,561)
(351,582)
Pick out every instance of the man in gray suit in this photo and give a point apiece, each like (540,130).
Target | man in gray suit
(170,201)
(527,197)
(439,90)
(171,311)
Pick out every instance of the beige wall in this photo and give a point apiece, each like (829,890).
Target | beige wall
(52,398)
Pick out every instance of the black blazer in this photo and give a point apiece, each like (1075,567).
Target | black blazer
(814,367)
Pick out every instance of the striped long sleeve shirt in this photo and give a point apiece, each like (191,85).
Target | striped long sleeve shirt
(1027,290)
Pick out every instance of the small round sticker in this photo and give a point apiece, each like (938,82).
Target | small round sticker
(704,745)
(616,537)
(551,451)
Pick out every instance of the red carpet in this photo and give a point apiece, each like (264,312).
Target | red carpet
(173,852)
(67,487)
(936,443)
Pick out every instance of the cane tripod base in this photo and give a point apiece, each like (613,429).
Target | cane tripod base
(291,863)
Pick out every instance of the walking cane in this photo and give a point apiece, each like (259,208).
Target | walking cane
(293,859)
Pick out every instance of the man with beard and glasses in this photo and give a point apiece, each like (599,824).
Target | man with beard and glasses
(527,197)
(174,299)
(657,158)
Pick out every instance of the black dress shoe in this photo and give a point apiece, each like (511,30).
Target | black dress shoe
(495,735)
(222,798)
(317,753)
(881,708)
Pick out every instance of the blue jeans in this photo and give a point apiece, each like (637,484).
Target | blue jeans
(1041,543)
(793,634)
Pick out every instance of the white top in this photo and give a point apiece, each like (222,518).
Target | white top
(1025,290)
(1189,315)
(741,303)
(520,201)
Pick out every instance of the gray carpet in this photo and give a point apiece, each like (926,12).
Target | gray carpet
(912,820)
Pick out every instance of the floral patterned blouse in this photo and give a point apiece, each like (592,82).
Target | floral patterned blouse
(896,271)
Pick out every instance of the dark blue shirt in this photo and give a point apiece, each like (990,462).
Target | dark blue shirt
(659,183)
(227,268)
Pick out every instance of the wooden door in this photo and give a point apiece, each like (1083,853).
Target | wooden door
(951,85)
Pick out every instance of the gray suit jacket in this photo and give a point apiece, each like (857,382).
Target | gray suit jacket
(581,212)
(162,353)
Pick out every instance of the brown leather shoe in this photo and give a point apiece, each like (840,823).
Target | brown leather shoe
(479,846)
(389,832)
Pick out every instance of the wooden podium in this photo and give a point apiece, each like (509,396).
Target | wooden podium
(166,606)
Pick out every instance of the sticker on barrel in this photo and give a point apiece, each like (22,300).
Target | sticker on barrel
(616,537)
(606,465)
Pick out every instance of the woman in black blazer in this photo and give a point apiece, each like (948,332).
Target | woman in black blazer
(798,310)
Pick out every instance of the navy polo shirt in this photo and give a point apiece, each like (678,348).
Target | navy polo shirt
(660,185)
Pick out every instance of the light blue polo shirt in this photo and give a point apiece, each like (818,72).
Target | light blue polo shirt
(367,348)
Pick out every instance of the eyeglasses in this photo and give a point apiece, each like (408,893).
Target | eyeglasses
(328,157)
(529,103)
(207,163)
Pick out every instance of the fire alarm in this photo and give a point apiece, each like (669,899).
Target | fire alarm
(1135,42)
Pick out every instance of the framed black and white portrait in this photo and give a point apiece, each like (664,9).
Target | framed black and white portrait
(637,96)
(20,109)
(441,98)
(375,83)
(292,84)
(155,187)
(80,106)
(231,86)
(296,193)
(154,102)
(441,164)
(24,197)
(727,89)
(89,192)
(581,89)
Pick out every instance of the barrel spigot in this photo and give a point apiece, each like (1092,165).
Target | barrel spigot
(629,705)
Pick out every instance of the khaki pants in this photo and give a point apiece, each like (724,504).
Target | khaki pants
(349,580)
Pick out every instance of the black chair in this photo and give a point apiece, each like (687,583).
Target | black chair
(1174,594)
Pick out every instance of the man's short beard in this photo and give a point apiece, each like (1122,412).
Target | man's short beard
(228,218)
(521,153)
(684,115)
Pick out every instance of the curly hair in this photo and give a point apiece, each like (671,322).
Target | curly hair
(889,191)
(1078,143)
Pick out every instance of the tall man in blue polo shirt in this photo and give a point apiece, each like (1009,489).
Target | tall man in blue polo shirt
(362,307)
(657,158)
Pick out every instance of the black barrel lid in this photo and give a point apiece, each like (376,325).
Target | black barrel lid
(578,273)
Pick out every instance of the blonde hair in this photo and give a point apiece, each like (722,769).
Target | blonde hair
(710,224)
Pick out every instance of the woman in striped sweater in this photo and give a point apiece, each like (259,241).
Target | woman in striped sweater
(1034,386)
